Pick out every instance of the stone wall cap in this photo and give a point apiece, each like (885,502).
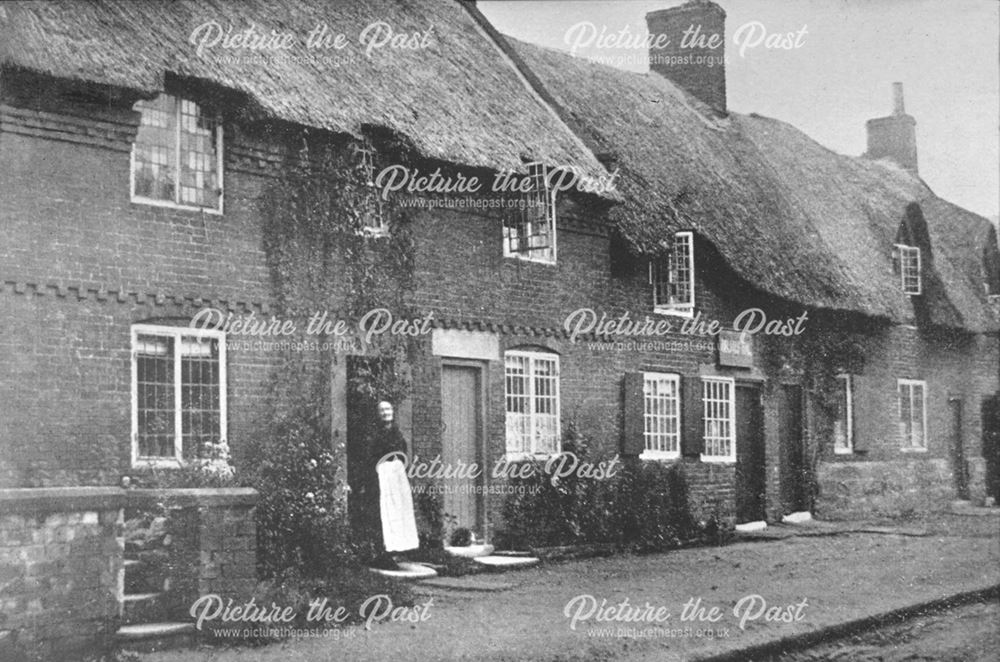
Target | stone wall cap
(196,496)
(49,499)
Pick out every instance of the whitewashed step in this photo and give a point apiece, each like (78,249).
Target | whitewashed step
(152,637)
(470,551)
(751,526)
(797,518)
(149,630)
(407,570)
(506,562)
(143,608)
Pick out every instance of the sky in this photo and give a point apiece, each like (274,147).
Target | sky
(945,52)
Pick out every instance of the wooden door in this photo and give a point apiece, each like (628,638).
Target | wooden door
(461,414)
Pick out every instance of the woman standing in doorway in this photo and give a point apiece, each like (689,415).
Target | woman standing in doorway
(387,460)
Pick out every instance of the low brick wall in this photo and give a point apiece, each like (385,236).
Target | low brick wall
(711,490)
(890,488)
(60,571)
(213,542)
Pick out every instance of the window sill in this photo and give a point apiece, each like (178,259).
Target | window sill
(659,456)
(675,312)
(913,449)
(533,260)
(709,459)
(153,202)
(843,451)
(157,463)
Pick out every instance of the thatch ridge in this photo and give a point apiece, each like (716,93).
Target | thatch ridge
(790,216)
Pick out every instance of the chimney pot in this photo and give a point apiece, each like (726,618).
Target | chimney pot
(897,99)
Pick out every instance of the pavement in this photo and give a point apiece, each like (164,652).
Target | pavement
(785,588)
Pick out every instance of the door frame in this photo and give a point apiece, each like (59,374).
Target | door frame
(482,370)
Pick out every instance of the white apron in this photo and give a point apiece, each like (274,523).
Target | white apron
(399,528)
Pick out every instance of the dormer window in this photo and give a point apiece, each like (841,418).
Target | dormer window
(672,277)
(374,222)
(909,269)
(529,228)
(177,155)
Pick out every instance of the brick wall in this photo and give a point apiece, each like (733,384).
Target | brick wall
(60,571)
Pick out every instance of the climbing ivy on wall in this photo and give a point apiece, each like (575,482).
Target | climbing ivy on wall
(321,260)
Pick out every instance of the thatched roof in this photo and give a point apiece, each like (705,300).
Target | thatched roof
(790,217)
(457,100)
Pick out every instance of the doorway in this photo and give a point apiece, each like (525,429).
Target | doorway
(991,444)
(461,445)
(751,476)
(793,467)
(959,465)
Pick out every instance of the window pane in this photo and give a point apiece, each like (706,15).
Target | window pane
(155,396)
(717,396)
(156,149)
(532,403)
(200,390)
(661,406)
(199,157)
(681,277)
(905,414)
(529,226)
(917,424)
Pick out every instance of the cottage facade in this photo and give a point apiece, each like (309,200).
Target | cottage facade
(109,264)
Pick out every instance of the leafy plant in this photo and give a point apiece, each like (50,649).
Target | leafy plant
(643,506)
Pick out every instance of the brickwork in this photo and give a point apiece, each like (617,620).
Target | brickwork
(60,571)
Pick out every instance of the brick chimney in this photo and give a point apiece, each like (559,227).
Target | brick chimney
(894,137)
(698,66)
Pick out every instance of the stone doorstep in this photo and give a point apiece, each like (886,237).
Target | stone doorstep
(407,571)
(502,563)
(138,608)
(151,637)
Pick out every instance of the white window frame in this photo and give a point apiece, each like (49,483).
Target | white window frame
(904,251)
(707,404)
(533,452)
(175,332)
(656,280)
(651,415)
(175,204)
(848,390)
(907,444)
(538,175)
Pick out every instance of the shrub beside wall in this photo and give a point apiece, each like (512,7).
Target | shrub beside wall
(643,506)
